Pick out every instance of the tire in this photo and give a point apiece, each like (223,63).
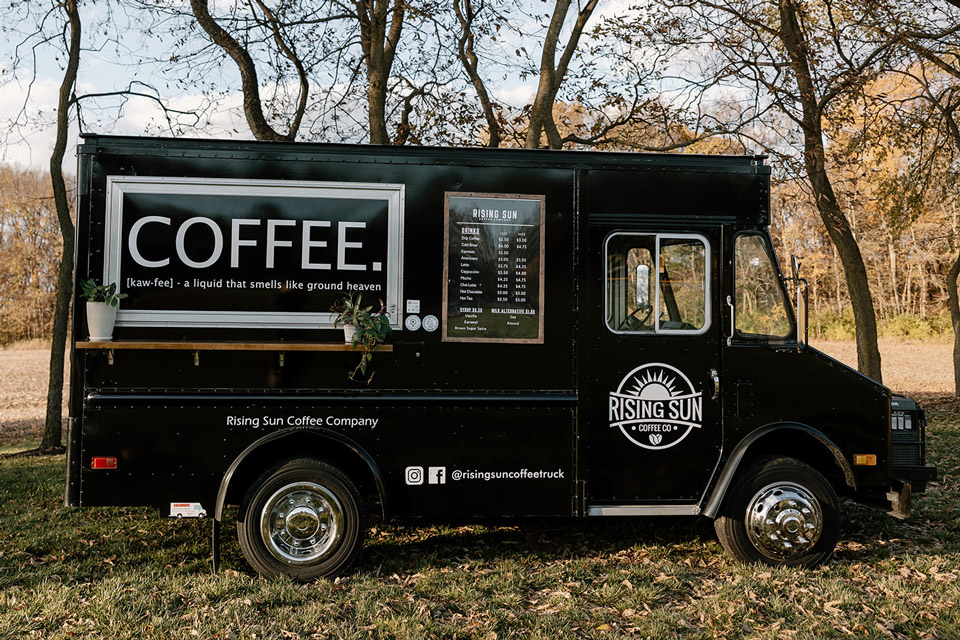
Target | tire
(303,520)
(780,512)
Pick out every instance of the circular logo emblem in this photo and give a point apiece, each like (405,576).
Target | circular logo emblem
(430,323)
(656,406)
(412,323)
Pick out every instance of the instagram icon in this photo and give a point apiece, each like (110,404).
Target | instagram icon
(414,475)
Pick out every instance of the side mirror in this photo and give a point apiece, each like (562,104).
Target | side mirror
(795,266)
(643,286)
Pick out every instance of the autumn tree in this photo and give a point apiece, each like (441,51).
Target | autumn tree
(929,36)
(30,249)
(797,57)
(55,28)
(272,23)
(473,19)
(553,70)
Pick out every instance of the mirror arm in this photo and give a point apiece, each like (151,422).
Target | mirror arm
(802,319)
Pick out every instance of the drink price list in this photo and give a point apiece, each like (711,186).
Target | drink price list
(493,276)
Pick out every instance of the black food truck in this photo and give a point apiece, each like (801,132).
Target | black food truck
(574,334)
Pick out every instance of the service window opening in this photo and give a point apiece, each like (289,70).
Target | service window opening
(657,283)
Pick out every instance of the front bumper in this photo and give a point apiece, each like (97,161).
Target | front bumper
(908,444)
(910,471)
(918,477)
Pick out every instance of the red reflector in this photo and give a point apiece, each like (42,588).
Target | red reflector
(103,463)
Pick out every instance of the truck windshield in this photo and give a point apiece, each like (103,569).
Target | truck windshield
(761,310)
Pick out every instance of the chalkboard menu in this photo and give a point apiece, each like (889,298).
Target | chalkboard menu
(493,273)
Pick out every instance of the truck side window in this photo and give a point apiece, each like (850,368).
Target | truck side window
(656,283)
(760,305)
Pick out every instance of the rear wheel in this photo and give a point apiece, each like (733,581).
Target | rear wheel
(303,520)
(781,512)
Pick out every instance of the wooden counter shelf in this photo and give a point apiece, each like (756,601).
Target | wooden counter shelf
(197,347)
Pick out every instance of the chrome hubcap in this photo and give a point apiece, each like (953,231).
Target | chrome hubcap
(784,520)
(301,523)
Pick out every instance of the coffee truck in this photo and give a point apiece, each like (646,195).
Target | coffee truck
(576,334)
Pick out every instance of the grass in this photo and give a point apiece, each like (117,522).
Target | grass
(128,573)
(830,325)
(27,345)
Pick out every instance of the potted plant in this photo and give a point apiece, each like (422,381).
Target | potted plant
(363,327)
(102,301)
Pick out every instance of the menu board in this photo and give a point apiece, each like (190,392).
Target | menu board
(493,270)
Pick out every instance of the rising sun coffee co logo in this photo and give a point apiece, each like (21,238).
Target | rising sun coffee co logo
(656,406)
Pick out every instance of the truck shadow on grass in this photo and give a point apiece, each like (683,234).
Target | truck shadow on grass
(406,549)
(867,536)
(44,541)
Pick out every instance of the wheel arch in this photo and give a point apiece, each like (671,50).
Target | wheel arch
(274,448)
(795,440)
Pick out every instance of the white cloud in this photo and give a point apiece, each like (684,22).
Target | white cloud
(31,128)
(517,95)
(30,133)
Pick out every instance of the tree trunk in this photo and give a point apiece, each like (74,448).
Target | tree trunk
(376,106)
(552,73)
(468,57)
(252,106)
(954,304)
(379,47)
(892,255)
(53,424)
(546,93)
(838,227)
(816,307)
(836,283)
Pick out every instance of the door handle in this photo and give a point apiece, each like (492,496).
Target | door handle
(732,321)
(716,383)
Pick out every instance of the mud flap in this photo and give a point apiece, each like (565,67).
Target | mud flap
(900,501)
(215,540)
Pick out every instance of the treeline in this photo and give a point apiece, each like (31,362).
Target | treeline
(906,267)
(30,249)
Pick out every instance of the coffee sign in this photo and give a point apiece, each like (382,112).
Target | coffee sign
(235,253)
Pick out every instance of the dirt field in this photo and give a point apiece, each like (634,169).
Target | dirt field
(908,367)
(23,394)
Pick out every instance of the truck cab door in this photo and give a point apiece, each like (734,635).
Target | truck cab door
(651,428)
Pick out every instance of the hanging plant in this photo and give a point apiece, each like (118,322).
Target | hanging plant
(369,329)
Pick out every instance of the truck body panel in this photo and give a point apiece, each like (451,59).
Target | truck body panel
(565,340)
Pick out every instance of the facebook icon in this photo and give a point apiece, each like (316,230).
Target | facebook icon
(437,475)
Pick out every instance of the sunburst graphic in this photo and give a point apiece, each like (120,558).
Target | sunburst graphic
(654,386)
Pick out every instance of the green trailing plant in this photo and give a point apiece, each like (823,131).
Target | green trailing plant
(372,327)
(107,293)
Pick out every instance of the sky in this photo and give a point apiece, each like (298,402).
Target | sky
(28,104)
(109,66)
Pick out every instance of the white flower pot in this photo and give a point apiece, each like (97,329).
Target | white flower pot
(100,320)
(349,330)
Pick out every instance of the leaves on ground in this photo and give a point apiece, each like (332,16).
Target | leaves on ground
(128,573)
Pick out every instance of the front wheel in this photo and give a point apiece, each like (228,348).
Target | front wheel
(303,520)
(781,512)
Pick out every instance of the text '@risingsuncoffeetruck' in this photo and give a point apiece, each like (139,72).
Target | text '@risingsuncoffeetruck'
(574,334)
